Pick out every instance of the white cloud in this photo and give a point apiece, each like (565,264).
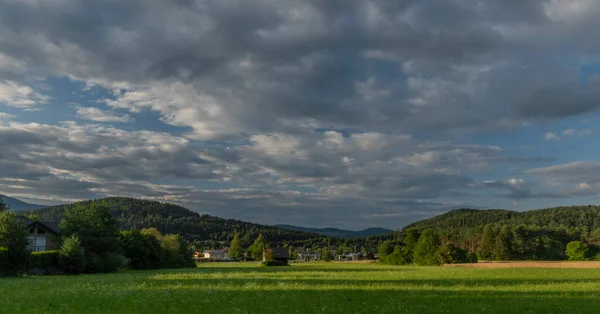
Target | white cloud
(551,137)
(98,115)
(577,133)
(18,95)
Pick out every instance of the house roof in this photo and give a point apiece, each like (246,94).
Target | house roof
(51,226)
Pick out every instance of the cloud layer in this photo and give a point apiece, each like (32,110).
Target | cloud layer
(345,113)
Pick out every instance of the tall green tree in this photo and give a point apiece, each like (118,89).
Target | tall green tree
(384,249)
(503,245)
(97,230)
(425,253)
(13,237)
(257,247)
(235,248)
(488,242)
(72,257)
(326,255)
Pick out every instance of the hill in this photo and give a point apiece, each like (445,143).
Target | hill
(339,233)
(18,205)
(565,216)
(201,230)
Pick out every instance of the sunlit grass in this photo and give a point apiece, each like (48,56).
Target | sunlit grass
(309,288)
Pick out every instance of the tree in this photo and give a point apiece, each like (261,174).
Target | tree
(257,247)
(72,257)
(384,249)
(13,237)
(503,245)
(97,230)
(142,249)
(488,242)
(577,251)
(3,206)
(235,248)
(426,248)
(326,255)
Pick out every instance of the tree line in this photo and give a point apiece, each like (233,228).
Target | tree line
(90,242)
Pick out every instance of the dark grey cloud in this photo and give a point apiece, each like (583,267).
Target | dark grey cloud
(253,81)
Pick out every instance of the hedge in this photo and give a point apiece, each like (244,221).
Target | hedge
(43,263)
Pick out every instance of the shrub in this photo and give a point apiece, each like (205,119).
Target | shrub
(275,263)
(43,263)
(400,256)
(142,249)
(113,262)
(72,258)
(451,254)
(577,251)
(472,258)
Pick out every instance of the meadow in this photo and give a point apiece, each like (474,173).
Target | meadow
(309,288)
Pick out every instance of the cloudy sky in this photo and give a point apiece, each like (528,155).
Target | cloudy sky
(344,113)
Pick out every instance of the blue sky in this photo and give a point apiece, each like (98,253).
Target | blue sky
(348,114)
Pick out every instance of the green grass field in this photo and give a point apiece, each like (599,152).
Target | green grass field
(309,288)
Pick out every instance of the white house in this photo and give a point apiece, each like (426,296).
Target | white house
(217,254)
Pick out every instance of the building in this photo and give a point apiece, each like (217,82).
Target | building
(217,255)
(42,234)
(277,254)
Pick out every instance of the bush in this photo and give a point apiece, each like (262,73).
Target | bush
(142,250)
(472,258)
(451,254)
(400,256)
(577,251)
(72,258)
(43,263)
(275,263)
(113,262)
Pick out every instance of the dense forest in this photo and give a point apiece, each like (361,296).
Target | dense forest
(203,231)
(542,234)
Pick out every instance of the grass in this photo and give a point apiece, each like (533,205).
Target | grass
(309,288)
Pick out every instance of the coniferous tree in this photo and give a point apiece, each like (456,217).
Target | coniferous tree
(503,245)
(257,247)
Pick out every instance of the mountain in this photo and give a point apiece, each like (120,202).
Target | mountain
(202,230)
(565,216)
(339,233)
(18,205)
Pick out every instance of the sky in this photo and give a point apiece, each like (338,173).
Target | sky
(339,113)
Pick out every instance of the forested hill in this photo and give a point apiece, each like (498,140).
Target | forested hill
(569,216)
(203,230)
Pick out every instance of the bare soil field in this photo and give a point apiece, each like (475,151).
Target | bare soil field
(529,264)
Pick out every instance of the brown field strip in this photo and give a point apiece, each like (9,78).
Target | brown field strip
(530,264)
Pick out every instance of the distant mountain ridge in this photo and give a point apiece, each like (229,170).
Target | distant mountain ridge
(339,233)
(18,205)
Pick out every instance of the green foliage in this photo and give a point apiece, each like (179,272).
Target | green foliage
(13,237)
(326,255)
(143,250)
(577,251)
(172,219)
(97,230)
(72,257)
(384,249)
(488,242)
(425,253)
(257,247)
(235,248)
(503,244)
(43,262)
(400,256)
(270,263)
(451,254)
(3,206)
(4,261)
